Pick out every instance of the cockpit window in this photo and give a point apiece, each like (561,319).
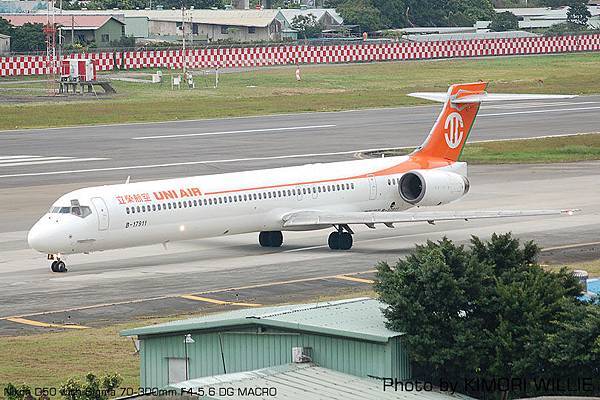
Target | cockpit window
(79,211)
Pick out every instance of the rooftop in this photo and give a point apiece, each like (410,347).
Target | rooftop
(290,13)
(77,21)
(257,18)
(360,318)
(308,381)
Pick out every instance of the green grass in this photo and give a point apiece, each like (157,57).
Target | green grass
(547,150)
(592,267)
(324,88)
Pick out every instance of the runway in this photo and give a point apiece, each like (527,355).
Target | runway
(107,287)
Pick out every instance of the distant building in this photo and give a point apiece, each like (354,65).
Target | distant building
(213,25)
(543,17)
(21,6)
(4,44)
(241,4)
(99,29)
(327,17)
(347,336)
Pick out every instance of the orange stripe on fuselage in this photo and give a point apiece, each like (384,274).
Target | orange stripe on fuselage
(408,165)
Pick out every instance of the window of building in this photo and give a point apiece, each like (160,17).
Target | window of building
(105,38)
(251,29)
(224,30)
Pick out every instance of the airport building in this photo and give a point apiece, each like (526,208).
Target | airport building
(4,44)
(347,337)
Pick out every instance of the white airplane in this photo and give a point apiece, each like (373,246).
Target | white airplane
(308,197)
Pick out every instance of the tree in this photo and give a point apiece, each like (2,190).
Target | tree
(504,21)
(307,26)
(93,388)
(578,13)
(489,312)
(361,13)
(393,13)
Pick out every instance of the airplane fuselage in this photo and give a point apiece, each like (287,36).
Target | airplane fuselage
(135,214)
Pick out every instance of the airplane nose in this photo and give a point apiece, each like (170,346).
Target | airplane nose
(37,238)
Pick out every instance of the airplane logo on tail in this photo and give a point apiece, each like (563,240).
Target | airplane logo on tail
(454,128)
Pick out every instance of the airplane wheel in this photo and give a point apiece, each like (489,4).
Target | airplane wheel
(275,239)
(53,266)
(263,239)
(334,241)
(345,241)
(270,239)
(61,267)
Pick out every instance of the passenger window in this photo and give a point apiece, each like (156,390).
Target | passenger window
(158,207)
(260,196)
(279,193)
(139,209)
(220,200)
(269,194)
(254,196)
(352,185)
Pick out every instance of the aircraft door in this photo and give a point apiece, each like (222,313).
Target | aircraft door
(372,187)
(102,212)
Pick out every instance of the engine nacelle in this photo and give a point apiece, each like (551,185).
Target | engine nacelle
(432,187)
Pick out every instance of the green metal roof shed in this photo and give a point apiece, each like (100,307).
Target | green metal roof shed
(348,336)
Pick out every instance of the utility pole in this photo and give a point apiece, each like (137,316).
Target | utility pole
(183,41)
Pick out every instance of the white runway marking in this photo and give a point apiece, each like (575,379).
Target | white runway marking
(535,105)
(232,160)
(289,128)
(539,111)
(20,161)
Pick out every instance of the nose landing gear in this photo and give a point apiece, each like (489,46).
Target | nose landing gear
(57,265)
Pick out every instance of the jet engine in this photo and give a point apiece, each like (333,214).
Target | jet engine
(432,187)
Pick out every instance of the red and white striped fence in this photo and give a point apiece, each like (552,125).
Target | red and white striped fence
(229,57)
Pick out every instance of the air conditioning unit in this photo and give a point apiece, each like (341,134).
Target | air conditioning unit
(301,354)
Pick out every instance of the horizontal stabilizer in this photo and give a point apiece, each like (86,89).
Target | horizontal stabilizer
(315,218)
(482,97)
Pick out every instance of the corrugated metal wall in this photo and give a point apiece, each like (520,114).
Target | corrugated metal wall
(247,349)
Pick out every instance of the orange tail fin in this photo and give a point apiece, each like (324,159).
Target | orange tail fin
(451,130)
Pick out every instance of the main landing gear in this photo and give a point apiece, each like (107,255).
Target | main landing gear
(57,265)
(270,239)
(341,239)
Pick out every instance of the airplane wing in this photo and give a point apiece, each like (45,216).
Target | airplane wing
(325,218)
